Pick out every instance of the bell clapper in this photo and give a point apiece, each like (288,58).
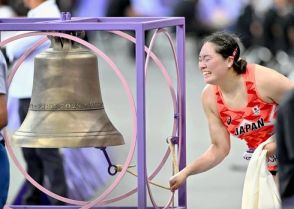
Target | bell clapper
(112,169)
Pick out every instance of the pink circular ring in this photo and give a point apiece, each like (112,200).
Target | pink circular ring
(133,110)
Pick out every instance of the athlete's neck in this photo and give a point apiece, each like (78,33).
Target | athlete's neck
(231,83)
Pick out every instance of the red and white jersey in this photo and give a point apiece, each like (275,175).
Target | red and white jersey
(255,122)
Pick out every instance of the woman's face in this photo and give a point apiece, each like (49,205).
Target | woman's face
(212,65)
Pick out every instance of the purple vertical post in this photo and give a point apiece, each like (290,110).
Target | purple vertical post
(182,197)
(141,135)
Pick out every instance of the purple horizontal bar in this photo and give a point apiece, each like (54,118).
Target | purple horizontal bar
(73,207)
(163,24)
(49,24)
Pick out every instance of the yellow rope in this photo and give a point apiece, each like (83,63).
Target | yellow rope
(174,162)
(174,165)
(119,168)
(151,182)
(174,158)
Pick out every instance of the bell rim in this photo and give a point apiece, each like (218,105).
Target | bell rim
(65,141)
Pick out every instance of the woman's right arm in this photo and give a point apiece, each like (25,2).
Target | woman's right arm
(217,151)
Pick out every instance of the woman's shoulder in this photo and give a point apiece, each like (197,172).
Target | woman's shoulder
(270,83)
(267,75)
(208,90)
(267,70)
(209,97)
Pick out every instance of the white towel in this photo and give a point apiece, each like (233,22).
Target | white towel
(260,190)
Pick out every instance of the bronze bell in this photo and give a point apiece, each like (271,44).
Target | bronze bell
(66,108)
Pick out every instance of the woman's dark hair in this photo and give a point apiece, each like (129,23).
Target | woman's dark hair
(227,45)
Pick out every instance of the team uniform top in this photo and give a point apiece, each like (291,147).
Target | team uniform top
(253,123)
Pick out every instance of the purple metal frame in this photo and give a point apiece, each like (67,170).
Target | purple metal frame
(77,207)
(139,25)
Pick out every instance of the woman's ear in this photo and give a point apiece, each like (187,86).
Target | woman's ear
(230,61)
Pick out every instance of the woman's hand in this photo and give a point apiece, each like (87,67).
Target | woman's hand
(271,149)
(177,180)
